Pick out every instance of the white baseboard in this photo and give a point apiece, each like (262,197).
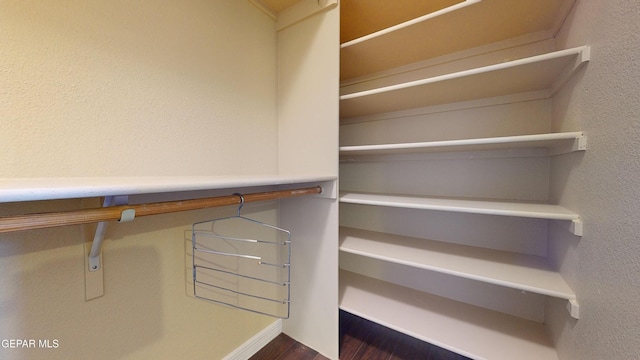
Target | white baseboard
(257,342)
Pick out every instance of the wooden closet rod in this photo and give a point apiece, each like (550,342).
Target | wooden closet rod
(114,213)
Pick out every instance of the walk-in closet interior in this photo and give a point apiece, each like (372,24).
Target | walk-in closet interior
(464,136)
(194,178)
(167,106)
(446,139)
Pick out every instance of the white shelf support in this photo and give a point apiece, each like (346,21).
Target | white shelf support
(581,143)
(573,308)
(583,57)
(577,227)
(101,229)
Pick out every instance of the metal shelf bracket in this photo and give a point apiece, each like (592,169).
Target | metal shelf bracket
(98,238)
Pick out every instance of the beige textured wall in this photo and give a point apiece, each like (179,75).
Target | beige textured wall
(103,88)
(147,311)
(124,88)
(602,185)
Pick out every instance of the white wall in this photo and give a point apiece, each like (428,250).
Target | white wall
(602,185)
(121,88)
(308,72)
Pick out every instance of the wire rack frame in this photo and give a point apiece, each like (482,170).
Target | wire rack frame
(214,282)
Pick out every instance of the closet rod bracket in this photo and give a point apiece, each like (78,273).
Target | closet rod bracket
(101,229)
(127,215)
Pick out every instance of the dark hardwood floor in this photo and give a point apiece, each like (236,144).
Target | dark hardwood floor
(359,339)
(285,348)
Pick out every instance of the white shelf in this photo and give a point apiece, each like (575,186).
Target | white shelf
(555,143)
(29,189)
(517,271)
(450,27)
(545,73)
(501,208)
(360,23)
(465,329)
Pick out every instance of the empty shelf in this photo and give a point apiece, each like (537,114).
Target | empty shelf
(28,189)
(360,19)
(445,31)
(555,143)
(545,72)
(518,271)
(502,208)
(465,329)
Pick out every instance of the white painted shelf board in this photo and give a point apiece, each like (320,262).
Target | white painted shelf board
(517,271)
(555,143)
(542,72)
(449,31)
(468,330)
(30,189)
(409,23)
(501,208)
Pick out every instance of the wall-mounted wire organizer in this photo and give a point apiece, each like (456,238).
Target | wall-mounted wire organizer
(242,263)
